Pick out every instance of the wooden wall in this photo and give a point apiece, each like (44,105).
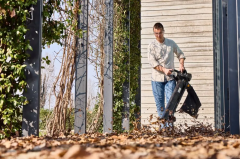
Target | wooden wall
(189,24)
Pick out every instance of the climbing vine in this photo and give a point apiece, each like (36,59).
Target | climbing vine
(135,61)
(120,60)
(63,83)
(13,17)
(126,63)
(13,45)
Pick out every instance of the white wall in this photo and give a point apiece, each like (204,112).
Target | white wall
(189,24)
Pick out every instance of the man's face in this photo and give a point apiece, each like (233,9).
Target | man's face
(159,34)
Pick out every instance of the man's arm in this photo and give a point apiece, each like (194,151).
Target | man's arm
(163,69)
(181,66)
(180,56)
(154,63)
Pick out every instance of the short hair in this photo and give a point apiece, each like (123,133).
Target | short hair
(158,26)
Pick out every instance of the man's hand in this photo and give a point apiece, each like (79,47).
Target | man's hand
(181,68)
(167,71)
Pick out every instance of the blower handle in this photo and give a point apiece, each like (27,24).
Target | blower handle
(174,70)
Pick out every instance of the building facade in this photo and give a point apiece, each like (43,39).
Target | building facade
(189,24)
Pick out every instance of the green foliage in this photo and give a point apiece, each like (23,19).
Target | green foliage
(45,113)
(125,63)
(120,60)
(13,16)
(91,115)
(45,60)
(54,29)
(135,58)
(13,45)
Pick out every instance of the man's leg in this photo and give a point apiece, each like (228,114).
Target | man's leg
(158,93)
(169,88)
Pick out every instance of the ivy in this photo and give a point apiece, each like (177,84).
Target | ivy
(120,60)
(135,59)
(13,16)
(126,64)
(55,24)
(13,45)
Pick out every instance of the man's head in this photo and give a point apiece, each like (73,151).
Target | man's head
(158,31)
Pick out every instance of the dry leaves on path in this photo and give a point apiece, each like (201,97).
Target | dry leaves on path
(136,145)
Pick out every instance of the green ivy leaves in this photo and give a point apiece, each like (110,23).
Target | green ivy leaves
(13,45)
(125,63)
(13,15)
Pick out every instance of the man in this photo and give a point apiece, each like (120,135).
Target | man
(161,58)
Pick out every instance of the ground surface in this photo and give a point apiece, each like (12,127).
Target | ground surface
(197,142)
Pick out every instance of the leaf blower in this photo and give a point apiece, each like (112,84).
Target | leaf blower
(191,103)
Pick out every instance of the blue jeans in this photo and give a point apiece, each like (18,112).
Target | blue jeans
(160,89)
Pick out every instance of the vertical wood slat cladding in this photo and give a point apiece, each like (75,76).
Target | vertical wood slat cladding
(189,24)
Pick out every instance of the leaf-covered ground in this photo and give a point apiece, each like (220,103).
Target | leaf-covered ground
(196,142)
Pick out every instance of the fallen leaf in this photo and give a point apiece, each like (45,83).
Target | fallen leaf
(75,151)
